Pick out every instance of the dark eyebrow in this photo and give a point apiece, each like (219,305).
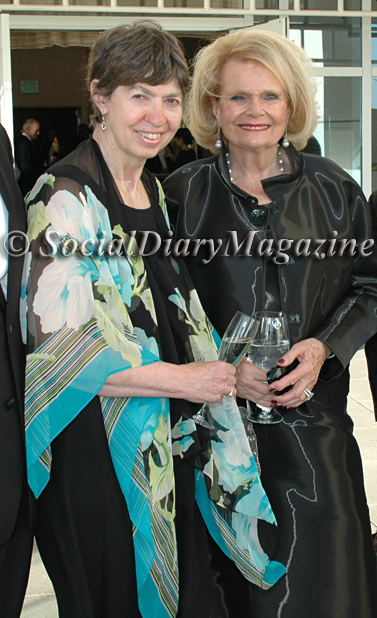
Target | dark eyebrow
(150,92)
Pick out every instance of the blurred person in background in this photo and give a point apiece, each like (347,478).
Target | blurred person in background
(183,140)
(26,154)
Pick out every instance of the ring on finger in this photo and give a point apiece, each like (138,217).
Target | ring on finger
(230,394)
(309,394)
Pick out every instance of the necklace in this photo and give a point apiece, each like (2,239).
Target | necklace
(280,161)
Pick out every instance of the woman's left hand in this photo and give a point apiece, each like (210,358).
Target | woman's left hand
(311,354)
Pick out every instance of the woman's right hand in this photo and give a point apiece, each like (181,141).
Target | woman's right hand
(252,383)
(198,382)
(208,382)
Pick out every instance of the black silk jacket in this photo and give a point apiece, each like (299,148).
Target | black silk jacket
(333,299)
(371,345)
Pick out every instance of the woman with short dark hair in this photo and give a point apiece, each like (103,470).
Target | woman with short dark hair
(122,355)
(111,348)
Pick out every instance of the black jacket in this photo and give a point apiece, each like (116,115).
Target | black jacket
(28,164)
(333,299)
(12,357)
(371,344)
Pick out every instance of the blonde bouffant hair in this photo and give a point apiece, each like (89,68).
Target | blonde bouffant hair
(285,59)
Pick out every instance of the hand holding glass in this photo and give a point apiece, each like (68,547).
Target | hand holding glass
(235,343)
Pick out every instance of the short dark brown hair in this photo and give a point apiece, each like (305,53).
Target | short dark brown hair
(139,53)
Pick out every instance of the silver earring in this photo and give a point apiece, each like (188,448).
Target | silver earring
(103,125)
(285,142)
(218,142)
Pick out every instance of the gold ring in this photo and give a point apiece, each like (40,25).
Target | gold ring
(230,394)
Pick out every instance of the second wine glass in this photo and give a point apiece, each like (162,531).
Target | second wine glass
(235,344)
(271,342)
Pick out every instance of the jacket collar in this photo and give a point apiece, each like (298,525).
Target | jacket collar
(274,187)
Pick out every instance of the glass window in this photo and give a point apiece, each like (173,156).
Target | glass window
(374,133)
(136,2)
(266,4)
(374,41)
(330,42)
(192,4)
(323,5)
(40,2)
(352,5)
(226,4)
(90,2)
(339,102)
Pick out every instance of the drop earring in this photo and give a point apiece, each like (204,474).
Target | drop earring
(285,142)
(103,125)
(218,142)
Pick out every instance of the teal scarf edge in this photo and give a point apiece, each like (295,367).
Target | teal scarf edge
(264,574)
(56,417)
(51,421)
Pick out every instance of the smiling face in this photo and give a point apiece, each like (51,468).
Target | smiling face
(141,119)
(252,108)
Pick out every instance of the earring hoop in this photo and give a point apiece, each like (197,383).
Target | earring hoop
(103,125)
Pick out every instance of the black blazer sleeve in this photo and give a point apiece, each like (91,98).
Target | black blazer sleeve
(12,358)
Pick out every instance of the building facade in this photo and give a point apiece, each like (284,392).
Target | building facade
(44,45)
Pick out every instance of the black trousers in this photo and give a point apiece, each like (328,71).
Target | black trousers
(371,356)
(15,557)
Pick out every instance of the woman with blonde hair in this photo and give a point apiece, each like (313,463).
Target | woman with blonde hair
(282,223)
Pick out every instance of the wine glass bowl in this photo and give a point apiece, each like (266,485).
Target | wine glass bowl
(234,346)
(270,343)
(237,338)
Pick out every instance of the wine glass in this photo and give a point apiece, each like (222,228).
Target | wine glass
(235,343)
(270,343)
